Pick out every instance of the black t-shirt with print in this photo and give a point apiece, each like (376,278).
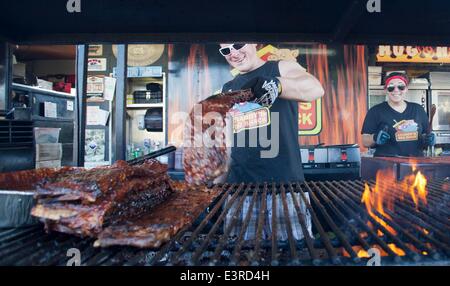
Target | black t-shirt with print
(405,129)
(247,165)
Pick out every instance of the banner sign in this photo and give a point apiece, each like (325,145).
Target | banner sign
(413,54)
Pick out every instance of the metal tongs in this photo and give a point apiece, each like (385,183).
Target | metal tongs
(152,155)
(430,149)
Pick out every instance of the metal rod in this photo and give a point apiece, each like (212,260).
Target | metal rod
(411,208)
(169,245)
(350,210)
(15,234)
(152,155)
(261,219)
(287,219)
(13,246)
(119,259)
(199,251)
(43,250)
(101,257)
(336,230)
(25,250)
(408,206)
(80,105)
(120,104)
(236,251)
(306,233)
(274,260)
(229,228)
(323,236)
(194,235)
(340,216)
(431,239)
(432,196)
(396,240)
(419,222)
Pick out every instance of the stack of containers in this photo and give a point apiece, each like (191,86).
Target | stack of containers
(48,150)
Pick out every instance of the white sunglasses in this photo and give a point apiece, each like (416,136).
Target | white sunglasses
(225,51)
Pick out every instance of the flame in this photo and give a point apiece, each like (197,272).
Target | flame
(360,252)
(415,186)
(396,250)
(375,198)
(363,253)
(382,196)
(425,231)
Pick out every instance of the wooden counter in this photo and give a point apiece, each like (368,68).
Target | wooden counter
(431,167)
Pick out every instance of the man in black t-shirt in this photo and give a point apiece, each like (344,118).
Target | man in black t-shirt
(397,127)
(278,87)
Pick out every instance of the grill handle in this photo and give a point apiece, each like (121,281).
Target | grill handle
(152,155)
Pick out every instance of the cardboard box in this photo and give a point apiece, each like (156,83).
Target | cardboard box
(48,152)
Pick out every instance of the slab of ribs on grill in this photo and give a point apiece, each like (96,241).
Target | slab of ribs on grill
(202,164)
(112,202)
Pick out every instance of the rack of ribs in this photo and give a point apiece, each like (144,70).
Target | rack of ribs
(163,222)
(27,180)
(83,202)
(203,163)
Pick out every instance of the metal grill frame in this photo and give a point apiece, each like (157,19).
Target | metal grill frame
(336,211)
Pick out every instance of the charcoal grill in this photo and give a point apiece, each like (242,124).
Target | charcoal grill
(329,216)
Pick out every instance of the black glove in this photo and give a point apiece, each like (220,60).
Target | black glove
(382,137)
(428,139)
(265,89)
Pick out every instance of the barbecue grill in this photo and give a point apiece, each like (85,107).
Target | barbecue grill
(342,232)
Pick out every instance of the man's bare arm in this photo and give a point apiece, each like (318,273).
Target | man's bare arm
(297,84)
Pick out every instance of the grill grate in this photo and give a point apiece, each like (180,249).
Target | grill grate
(313,223)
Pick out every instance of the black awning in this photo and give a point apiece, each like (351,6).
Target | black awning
(346,21)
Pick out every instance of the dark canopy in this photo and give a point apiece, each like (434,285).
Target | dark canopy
(346,21)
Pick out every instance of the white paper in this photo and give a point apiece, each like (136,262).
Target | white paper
(103,117)
(96,116)
(50,109)
(69,105)
(96,64)
(110,87)
(95,84)
(92,115)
